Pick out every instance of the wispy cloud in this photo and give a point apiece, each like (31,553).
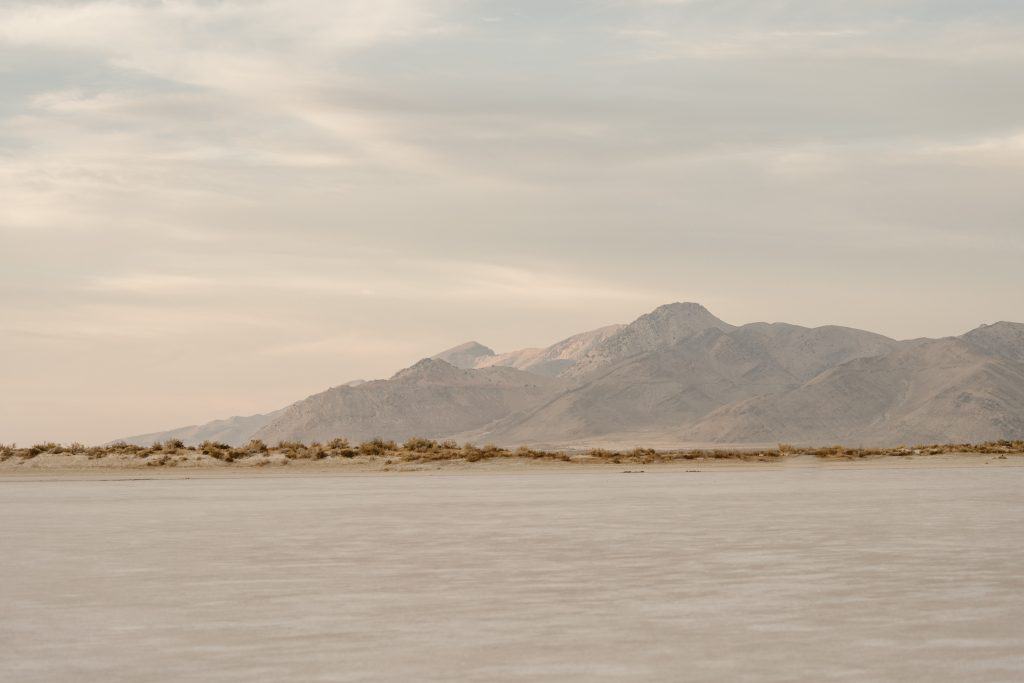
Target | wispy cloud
(394,278)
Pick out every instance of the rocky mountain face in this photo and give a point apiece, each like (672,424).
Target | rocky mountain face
(945,390)
(466,356)
(432,399)
(555,359)
(678,375)
(233,430)
(661,328)
(1002,339)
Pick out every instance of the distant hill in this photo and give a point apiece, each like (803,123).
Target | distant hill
(431,399)
(675,376)
(232,430)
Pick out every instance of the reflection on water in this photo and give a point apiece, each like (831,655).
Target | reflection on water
(774,575)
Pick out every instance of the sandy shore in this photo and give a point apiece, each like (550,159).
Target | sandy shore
(72,466)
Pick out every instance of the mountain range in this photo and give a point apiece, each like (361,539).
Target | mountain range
(673,377)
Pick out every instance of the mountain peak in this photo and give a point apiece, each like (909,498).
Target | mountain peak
(681,309)
(681,306)
(464,356)
(427,368)
(679,318)
(661,328)
(1003,338)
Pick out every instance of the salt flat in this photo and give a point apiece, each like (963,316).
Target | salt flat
(800,574)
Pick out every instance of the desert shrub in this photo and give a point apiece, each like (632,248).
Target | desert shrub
(300,451)
(472,453)
(423,450)
(722,454)
(217,450)
(314,451)
(340,446)
(255,446)
(419,445)
(377,447)
(524,452)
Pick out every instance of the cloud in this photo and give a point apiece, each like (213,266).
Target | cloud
(386,277)
(755,29)
(262,65)
(1005,150)
(147,283)
(154,37)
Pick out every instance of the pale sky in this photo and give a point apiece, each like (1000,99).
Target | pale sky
(211,208)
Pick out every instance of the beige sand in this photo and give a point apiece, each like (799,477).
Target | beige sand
(196,464)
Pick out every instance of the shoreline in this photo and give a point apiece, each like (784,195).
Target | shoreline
(52,468)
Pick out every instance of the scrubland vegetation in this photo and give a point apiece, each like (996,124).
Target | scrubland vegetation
(418,450)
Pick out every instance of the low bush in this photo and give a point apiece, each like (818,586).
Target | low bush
(418,445)
(377,446)
(417,449)
(255,446)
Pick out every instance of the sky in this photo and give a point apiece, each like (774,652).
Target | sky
(212,208)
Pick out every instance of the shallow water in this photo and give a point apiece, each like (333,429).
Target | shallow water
(754,575)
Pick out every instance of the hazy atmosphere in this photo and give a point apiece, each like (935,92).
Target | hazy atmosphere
(217,208)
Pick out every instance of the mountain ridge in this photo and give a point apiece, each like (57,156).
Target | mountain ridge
(679,375)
